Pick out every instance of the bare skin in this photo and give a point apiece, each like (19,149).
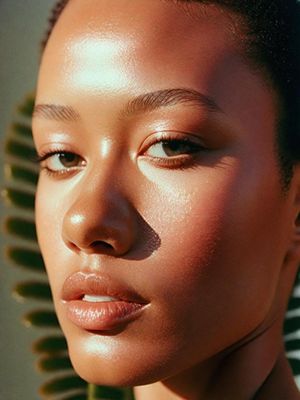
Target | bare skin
(178,199)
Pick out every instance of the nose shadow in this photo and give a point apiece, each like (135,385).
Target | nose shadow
(147,242)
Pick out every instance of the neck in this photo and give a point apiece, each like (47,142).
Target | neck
(256,368)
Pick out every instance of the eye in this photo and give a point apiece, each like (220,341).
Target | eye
(172,148)
(59,162)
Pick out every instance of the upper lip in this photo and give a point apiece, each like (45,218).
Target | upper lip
(81,283)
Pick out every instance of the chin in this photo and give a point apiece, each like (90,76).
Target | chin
(100,361)
(115,375)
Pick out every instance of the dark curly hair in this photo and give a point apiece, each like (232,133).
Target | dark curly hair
(272,44)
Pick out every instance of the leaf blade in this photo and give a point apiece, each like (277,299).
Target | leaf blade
(54,363)
(21,228)
(26,258)
(41,319)
(62,384)
(33,290)
(19,198)
(50,345)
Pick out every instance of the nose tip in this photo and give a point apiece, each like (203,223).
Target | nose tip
(106,226)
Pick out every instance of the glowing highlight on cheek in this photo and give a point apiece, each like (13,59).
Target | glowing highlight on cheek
(98,63)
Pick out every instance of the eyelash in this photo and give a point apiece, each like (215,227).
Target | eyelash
(180,162)
(39,158)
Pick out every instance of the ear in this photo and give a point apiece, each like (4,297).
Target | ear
(295,248)
(296,239)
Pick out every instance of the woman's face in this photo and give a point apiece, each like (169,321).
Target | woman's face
(159,188)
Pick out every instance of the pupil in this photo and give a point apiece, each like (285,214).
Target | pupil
(67,159)
(176,147)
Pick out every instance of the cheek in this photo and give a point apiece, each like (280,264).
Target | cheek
(213,267)
(214,253)
(48,216)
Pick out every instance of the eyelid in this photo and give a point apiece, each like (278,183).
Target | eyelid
(183,161)
(44,156)
(55,149)
(169,136)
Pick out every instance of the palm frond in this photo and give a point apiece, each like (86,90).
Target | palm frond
(33,290)
(28,259)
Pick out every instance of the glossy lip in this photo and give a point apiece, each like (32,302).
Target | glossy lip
(126,305)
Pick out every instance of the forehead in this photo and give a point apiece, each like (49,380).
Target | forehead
(154,18)
(108,51)
(157,33)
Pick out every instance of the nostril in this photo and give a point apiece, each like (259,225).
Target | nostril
(97,246)
(73,246)
(100,245)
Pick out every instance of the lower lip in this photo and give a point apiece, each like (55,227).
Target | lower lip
(102,316)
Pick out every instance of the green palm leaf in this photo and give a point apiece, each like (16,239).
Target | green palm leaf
(34,290)
(41,319)
(21,228)
(19,198)
(54,363)
(50,345)
(16,174)
(60,384)
(26,258)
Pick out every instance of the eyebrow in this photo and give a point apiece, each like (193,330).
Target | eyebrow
(55,112)
(143,103)
(169,97)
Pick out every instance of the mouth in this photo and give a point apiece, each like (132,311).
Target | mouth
(95,302)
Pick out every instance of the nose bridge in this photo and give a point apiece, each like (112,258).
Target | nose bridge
(100,217)
(99,189)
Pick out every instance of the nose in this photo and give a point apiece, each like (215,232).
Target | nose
(99,220)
